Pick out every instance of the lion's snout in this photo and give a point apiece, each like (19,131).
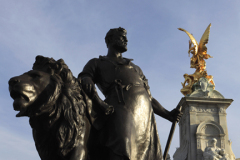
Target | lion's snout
(16,84)
(22,92)
(12,82)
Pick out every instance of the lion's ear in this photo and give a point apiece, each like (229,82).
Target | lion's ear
(61,61)
(39,61)
(58,67)
(39,58)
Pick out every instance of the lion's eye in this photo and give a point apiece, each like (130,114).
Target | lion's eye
(34,75)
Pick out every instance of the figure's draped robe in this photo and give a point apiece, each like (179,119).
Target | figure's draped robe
(131,130)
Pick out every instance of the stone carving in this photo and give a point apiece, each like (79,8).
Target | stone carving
(208,110)
(222,110)
(204,85)
(203,88)
(212,152)
(203,122)
(199,142)
(202,109)
(205,110)
(231,154)
(193,109)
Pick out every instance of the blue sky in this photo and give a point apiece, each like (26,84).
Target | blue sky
(75,30)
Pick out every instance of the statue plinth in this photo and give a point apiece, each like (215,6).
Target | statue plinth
(203,119)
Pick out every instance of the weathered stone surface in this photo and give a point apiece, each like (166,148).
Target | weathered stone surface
(213,152)
(204,118)
(203,88)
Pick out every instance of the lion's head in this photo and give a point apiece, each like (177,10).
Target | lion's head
(51,97)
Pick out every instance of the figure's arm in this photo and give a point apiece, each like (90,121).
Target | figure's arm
(189,81)
(161,111)
(172,116)
(88,76)
(184,83)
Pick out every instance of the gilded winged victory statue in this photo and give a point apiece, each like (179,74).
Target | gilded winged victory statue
(199,54)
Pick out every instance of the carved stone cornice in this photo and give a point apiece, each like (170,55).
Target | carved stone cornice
(195,101)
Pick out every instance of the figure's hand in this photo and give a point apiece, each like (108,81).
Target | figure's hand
(183,84)
(88,86)
(219,156)
(176,115)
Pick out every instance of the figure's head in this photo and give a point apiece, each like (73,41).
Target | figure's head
(185,75)
(116,38)
(214,142)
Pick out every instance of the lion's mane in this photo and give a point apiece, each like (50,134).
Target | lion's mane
(58,122)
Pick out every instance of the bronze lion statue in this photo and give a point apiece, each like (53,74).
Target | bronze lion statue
(53,100)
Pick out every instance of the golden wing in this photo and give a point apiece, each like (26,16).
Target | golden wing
(193,40)
(204,40)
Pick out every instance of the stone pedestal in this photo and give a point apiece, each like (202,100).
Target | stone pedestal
(203,118)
